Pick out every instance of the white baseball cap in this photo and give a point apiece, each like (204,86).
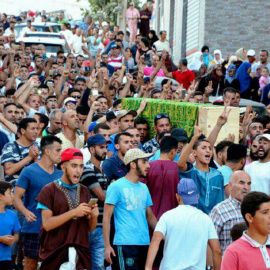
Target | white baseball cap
(266,136)
(251,53)
(134,154)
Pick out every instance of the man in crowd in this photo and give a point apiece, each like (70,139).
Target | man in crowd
(66,216)
(70,137)
(8,121)
(143,127)
(252,250)
(55,126)
(221,153)
(161,123)
(22,152)
(130,201)
(94,178)
(259,170)
(181,228)
(236,160)
(31,180)
(114,167)
(227,213)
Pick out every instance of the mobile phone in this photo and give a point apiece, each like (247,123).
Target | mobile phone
(92,202)
(95,92)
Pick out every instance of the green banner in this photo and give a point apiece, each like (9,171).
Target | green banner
(182,114)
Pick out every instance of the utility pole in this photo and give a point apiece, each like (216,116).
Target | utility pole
(121,18)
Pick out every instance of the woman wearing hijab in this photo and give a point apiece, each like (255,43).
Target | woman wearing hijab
(217,57)
(207,57)
(216,75)
(145,20)
(132,16)
(231,78)
(255,84)
(241,54)
(152,37)
(197,66)
(244,79)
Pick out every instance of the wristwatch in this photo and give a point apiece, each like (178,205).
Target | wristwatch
(209,267)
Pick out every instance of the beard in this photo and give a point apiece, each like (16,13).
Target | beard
(100,157)
(140,173)
(264,155)
(254,156)
(68,176)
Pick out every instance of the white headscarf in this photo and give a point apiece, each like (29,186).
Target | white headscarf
(196,61)
(221,59)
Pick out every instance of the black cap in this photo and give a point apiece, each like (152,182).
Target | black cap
(180,134)
(110,115)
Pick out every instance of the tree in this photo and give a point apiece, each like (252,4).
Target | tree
(105,10)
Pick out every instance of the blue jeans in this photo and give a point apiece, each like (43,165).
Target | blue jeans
(97,249)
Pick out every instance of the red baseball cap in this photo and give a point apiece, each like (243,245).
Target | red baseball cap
(69,154)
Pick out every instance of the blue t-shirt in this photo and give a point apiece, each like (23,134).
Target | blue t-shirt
(209,184)
(33,178)
(226,173)
(156,156)
(9,225)
(130,201)
(111,146)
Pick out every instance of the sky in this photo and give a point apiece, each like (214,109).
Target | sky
(16,6)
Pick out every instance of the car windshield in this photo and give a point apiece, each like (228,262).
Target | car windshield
(40,28)
(49,48)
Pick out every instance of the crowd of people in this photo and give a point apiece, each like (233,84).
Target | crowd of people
(84,182)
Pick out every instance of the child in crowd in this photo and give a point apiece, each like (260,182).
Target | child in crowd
(9,225)
(264,79)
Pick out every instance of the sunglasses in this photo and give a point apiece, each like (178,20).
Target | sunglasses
(162,115)
(73,71)
(76,97)
(52,101)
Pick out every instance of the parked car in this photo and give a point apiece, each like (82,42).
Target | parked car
(44,35)
(40,27)
(52,45)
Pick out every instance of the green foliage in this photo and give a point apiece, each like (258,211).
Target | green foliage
(105,10)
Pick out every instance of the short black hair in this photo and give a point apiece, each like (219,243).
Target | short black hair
(25,122)
(119,135)
(83,110)
(43,119)
(79,56)
(156,119)
(167,144)
(265,52)
(48,141)
(117,102)
(120,33)
(258,119)
(4,186)
(205,47)
(9,104)
(229,90)
(73,90)
(222,145)
(198,142)
(80,79)
(184,61)
(100,126)
(252,202)
(162,134)
(237,230)
(236,152)
(198,93)
(10,92)
(101,96)
(141,121)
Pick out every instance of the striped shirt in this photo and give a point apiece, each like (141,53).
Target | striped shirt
(92,177)
(224,215)
(116,62)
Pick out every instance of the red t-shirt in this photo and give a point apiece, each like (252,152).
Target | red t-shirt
(162,181)
(185,78)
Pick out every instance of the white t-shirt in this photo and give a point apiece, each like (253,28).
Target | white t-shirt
(77,44)
(67,34)
(187,231)
(254,67)
(260,176)
(24,31)
(86,155)
(41,110)
(160,46)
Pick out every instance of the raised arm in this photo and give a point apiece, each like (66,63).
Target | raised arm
(222,120)
(182,162)
(23,97)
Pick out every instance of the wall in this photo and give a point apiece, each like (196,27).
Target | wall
(232,24)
